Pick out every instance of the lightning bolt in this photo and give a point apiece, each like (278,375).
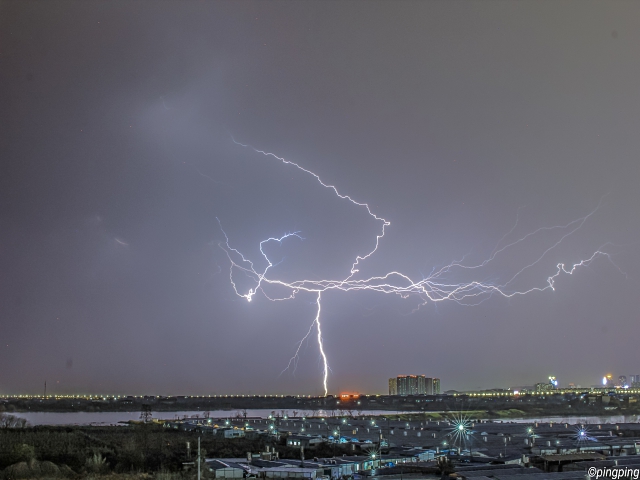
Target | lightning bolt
(325,370)
(433,288)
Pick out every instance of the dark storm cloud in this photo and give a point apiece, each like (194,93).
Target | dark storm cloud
(447,117)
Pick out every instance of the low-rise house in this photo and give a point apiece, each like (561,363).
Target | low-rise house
(230,432)
(305,441)
(226,468)
(287,471)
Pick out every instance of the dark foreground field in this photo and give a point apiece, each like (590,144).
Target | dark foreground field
(131,451)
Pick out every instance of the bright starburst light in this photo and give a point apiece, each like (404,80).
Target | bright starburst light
(436,287)
(374,452)
(581,434)
(460,431)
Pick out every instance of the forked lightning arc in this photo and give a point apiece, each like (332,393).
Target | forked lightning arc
(434,288)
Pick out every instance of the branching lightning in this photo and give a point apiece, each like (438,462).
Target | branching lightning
(433,288)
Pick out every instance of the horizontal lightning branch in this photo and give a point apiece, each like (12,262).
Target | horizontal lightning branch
(434,288)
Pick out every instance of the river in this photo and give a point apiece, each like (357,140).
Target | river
(115,418)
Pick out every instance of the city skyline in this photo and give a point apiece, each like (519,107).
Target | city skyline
(140,177)
(412,384)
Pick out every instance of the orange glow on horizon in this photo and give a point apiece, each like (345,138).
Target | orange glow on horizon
(348,396)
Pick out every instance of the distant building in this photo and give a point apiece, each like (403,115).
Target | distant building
(414,385)
(436,386)
(544,387)
(393,386)
(401,381)
(622,381)
(634,381)
(428,386)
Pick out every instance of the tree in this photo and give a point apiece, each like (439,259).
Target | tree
(445,466)
(96,463)
(22,453)
(9,421)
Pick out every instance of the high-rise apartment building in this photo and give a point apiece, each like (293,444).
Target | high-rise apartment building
(428,386)
(393,386)
(414,385)
(402,385)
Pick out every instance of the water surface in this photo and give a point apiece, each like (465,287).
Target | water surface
(115,418)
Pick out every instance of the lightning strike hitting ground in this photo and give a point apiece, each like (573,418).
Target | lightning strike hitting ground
(433,288)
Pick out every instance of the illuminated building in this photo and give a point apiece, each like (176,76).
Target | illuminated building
(428,386)
(414,385)
(436,386)
(393,386)
(622,381)
(401,382)
(544,387)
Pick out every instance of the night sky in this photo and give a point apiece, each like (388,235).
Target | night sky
(450,119)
